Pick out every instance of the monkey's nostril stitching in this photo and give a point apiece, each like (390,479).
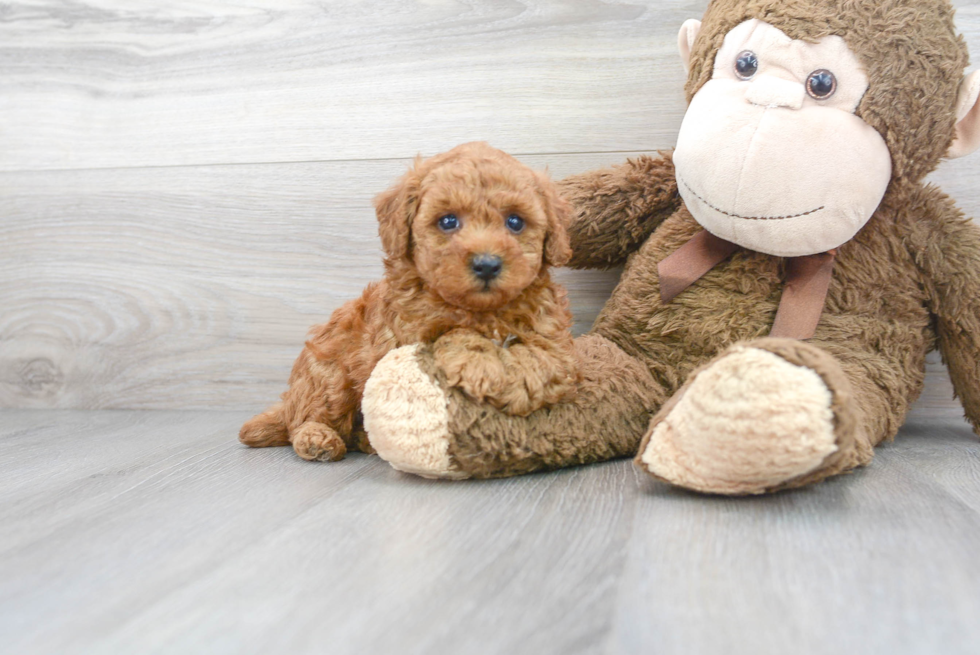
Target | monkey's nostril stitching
(486,267)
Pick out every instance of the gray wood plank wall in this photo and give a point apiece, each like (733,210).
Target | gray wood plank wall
(186,187)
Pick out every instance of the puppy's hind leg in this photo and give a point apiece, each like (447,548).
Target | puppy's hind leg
(319,442)
(266,429)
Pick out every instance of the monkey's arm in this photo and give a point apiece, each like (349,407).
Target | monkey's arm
(948,254)
(616,209)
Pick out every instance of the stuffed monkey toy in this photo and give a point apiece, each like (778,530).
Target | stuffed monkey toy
(786,269)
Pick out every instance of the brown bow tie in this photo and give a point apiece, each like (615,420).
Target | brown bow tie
(804,291)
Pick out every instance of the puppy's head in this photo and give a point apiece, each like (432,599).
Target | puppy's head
(478,225)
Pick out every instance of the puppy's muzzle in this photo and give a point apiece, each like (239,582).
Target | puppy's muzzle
(486,267)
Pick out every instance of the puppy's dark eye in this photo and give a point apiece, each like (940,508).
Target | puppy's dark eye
(515,223)
(448,223)
(821,84)
(746,64)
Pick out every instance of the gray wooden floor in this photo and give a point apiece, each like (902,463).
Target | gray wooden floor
(155,531)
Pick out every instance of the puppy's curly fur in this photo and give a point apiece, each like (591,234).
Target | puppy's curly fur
(502,336)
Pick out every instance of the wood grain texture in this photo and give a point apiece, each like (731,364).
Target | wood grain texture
(191,287)
(158,284)
(108,83)
(185,188)
(104,83)
(156,532)
(880,561)
(192,543)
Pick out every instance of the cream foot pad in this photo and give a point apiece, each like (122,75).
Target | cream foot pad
(406,417)
(748,422)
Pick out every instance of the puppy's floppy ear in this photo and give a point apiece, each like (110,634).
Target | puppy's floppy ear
(557,250)
(396,208)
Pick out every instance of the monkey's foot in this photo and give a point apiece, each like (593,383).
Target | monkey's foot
(406,416)
(766,415)
(318,442)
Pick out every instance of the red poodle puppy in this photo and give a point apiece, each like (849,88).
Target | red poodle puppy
(469,236)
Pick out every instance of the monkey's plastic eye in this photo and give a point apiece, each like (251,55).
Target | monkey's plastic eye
(515,223)
(746,65)
(821,84)
(448,223)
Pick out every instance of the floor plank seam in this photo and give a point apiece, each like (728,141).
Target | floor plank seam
(300,162)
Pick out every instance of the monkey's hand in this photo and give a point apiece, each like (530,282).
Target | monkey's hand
(617,208)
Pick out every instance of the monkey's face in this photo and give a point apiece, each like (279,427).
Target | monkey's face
(771,155)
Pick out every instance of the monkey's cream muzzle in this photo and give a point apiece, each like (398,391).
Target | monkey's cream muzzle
(763,164)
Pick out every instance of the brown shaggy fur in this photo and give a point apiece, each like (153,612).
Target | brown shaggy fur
(907,283)
(505,341)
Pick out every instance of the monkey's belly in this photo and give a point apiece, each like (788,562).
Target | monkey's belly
(872,314)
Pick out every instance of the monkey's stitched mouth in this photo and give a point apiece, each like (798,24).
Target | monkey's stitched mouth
(749,218)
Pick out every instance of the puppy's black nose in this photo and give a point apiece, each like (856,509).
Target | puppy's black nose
(486,267)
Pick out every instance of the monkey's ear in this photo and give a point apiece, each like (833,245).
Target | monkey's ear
(685,40)
(967,117)
(396,208)
(557,250)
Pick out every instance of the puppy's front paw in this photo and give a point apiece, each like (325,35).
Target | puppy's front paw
(525,395)
(407,418)
(471,363)
(535,378)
